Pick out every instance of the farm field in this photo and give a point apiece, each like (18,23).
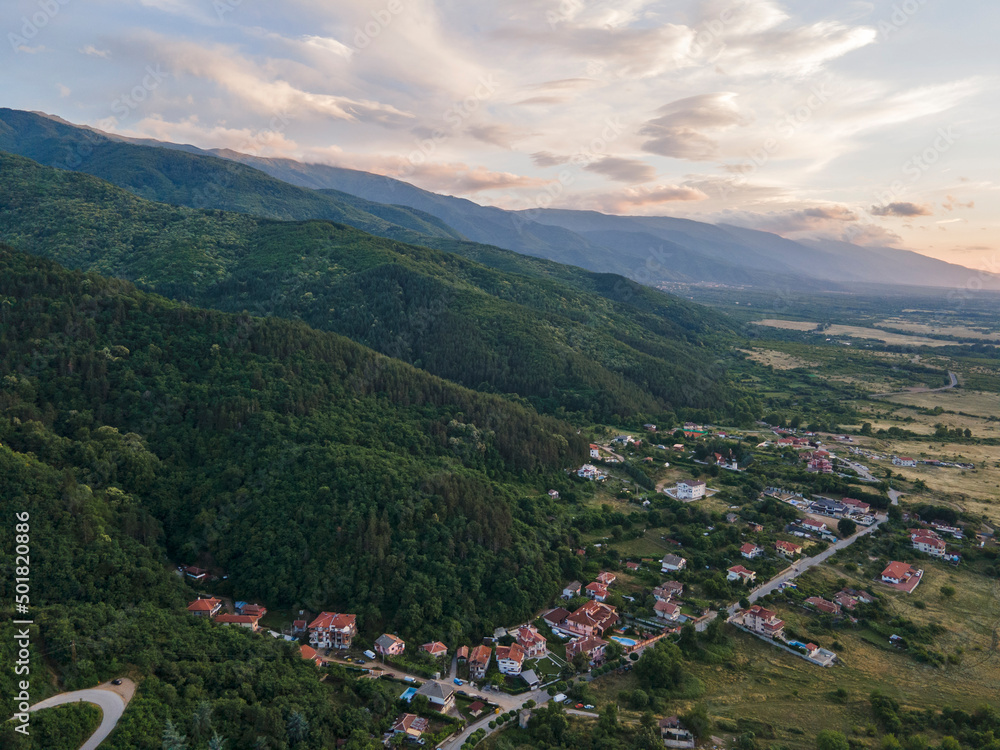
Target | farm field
(928,329)
(860,332)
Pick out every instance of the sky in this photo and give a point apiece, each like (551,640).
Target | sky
(873,122)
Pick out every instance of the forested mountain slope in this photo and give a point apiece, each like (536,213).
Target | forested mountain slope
(313,470)
(602,347)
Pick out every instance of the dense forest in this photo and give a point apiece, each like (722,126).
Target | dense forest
(595,346)
(314,471)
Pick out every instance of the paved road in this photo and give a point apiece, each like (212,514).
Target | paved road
(894,495)
(112,706)
(952,384)
(540,697)
(801,566)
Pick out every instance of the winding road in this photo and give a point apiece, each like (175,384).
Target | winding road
(111,699)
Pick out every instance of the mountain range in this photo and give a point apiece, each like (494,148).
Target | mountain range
(651,250)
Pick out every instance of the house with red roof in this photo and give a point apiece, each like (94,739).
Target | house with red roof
(902,576)
(510,659)
(668,590)
(830,608)
(462,654)
(593,618)
(607,578)
(205,607)
(763,621)
(928,542)
(435,649)
(333,630)
(597,591)
(857,506)
(479,662)
(592,646)
(667,611)
(750,550)
(533,642)
(903,461)
(815,526)
(738,572)
(309,654)
(788,549)
(243,621)
(411,725)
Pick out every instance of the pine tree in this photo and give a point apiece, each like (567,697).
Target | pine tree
(172,739)
(298,727)
(216,743)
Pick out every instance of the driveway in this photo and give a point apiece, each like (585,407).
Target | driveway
(540,697)
(111,699)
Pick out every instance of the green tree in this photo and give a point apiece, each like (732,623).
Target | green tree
(172,739)
(829,739)
(298,727)
(846,527)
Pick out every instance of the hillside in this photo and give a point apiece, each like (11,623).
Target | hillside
(596,345)
(315,471)
(681,250)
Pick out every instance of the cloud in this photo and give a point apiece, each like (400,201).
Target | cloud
(623,170)
(871,235)
(548,159)
(64,91)
(678,131)
(902,209)
(649,196)
(496,135)
(825,220)
(92,51)
(953,203)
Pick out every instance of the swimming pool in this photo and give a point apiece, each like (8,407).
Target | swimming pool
(796,643)
(408,694)
(624,641)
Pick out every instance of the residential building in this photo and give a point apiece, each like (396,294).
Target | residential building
(830,608)
(254,610)
(632,566)
(673,733)
(510,659)
(738,572)
(462,654)
(668,590)
(533,642)
(299,627)
(751,550)
(898,572)
(554,494)
(205,607)
(572,589)
(593,618)
(817,527)
(850,598)
(476,708)
(554,618)
(592,646)
(763,621)
(597,591)
(333,630)
(197,574)
(595,452)
(755,527)
(928,542)
(389,645)
(903,461)
(690,489)
(479,661)
(607,578)
(672,563)
(857,506)
(440,695)
(309,654)
(435,649)
(411,725)
(819,466)
(243,621)
(531,679)
(667,611)
(788,549)
(591,472)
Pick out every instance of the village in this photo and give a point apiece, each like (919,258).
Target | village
(454,695)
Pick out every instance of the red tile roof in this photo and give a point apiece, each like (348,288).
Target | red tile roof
(227,619)
(204,605)
(333,620)
(897,570)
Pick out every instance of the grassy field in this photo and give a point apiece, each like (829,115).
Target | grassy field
(778,360)
(977,403)
(858,332)
(796,699)
(927,329)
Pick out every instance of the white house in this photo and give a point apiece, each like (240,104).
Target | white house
(510,659)
(741,573)
(690,489)
(751,550)
(903,461)
(672,563)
